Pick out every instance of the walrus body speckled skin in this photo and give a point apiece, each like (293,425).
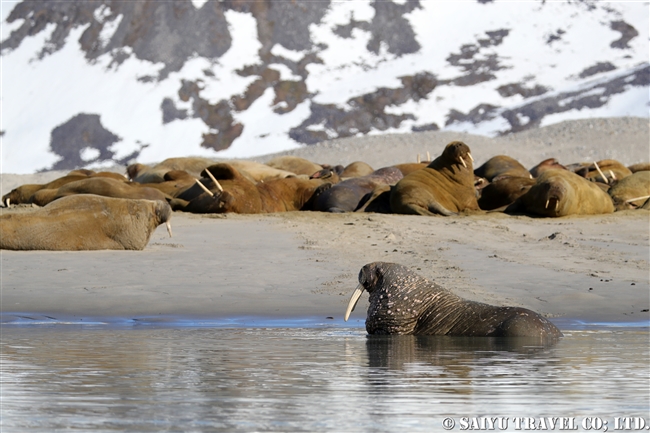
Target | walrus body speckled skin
(402,302)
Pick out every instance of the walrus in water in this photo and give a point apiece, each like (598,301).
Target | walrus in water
(346,195)
(403,302)
(85,222)
(444,187)
(558,193)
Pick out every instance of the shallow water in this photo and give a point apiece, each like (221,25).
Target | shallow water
(158,378)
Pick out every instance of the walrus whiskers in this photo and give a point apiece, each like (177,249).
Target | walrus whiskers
(353,301)
(637,198)
(204,188)
(463,161)
(601,173)
(216,182)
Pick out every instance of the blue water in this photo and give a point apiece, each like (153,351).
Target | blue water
(316,375)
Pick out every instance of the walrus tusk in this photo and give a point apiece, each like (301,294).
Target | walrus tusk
(204,188)
(613,175)
(557,203)
(546,207)
(428,156)
(8,201)
(463,161)
(216,182)
(418,158)
(169,228)
(470,157)
(637,198)
(601,173)
(353,301)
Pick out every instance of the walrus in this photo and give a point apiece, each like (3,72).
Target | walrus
(409,167)
(103,186)
(24,193)
(235,193)
(641,166)
(294,164)
(558,193)
(356,169)
(545,165)
(403,302)
(501,165)
(503,191)
(346,195)
(607,171)
(85,222)
(444,187)
(632,191)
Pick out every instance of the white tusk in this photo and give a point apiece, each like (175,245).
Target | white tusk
(8,201)
(214,180)
(637,198)
(546,207)
(557,203)
(418,158)
(353,301)
(204,188)
(613,175)
(428,156)
(463,161)
(470,157)
(169,228)
(601,173)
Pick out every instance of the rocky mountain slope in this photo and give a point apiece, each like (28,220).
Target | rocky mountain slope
(98,82)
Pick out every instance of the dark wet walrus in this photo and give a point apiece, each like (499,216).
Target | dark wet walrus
(402,302)
(345,196)
(85,222)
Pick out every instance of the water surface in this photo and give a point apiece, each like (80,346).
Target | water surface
(157,378)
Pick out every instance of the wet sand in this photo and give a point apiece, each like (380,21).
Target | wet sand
(294,265)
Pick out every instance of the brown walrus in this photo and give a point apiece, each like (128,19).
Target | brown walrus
(632,191)
(85,222)
(503,191)
(103,186)
(607,171)
(24,193)
(641,166)
(546,165)
(356,169)
(240,195)
(444,187)
(346,195)
(559,193)
(294,164)
(501,165)
(403,302)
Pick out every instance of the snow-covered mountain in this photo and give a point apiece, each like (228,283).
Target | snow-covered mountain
(98,82)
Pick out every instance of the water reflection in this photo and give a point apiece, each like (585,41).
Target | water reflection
(333,379)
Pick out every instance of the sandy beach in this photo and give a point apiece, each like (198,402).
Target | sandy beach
(288,266)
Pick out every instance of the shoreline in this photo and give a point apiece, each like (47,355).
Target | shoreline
(297,265)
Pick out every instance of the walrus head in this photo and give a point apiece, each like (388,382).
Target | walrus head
(163,214)
(395,298)
(459,153)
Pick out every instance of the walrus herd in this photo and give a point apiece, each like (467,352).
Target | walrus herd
(87,210)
